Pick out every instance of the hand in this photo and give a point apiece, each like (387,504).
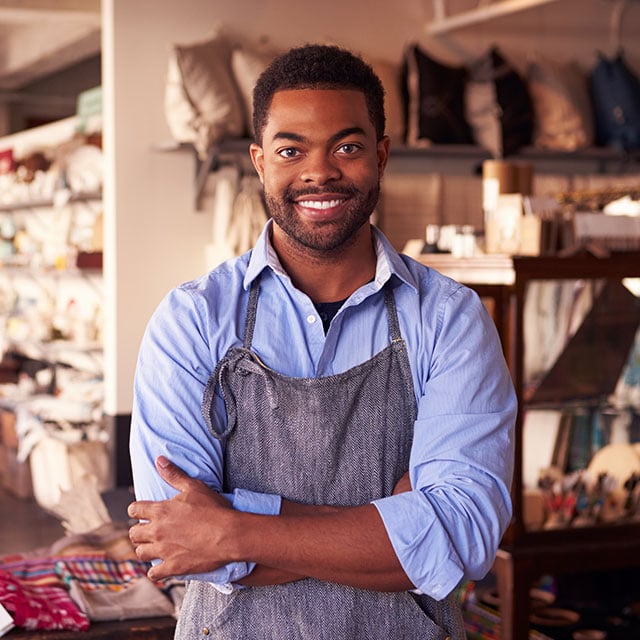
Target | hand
(404,484)
(188,532)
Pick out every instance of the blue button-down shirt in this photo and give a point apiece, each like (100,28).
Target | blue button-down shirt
(449,526)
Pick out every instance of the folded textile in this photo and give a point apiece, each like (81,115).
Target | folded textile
(38,603)
(98,572)
(107,589)
(139,598)
(37,571)
(81,583)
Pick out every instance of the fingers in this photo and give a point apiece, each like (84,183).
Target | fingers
(141,538)
(141,509)
(160,571)
(146,550)
(156,573)
(173,474)
(149,550)
(138,534)
(176,477)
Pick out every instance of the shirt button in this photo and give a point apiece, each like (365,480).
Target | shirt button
(205,631)
(311,319)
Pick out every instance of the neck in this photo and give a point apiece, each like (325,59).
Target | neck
(327,276)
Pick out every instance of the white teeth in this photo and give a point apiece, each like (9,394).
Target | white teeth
(319,204)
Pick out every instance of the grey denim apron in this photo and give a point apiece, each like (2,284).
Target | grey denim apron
(342,440)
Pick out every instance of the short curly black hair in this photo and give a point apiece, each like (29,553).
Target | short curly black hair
(315,66)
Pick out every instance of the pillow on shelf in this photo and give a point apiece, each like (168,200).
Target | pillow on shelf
(390,75)
(561,105)
(498,105)
(615,94)
(435,100)
(202,102)
(247,63)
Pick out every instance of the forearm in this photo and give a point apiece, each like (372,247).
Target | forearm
(263,575)
(345,545)
(197,531)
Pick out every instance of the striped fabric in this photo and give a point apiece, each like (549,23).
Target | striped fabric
(37,572)
(98,572)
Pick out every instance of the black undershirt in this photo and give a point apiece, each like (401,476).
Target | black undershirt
(327,310)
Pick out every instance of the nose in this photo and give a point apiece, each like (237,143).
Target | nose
(320,168)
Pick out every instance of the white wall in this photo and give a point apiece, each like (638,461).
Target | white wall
(153,237)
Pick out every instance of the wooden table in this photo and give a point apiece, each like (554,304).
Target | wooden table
(142,629)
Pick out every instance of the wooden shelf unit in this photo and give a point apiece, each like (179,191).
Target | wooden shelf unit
(526,555)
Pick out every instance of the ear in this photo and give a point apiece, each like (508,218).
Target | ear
(257,158)
(383,154)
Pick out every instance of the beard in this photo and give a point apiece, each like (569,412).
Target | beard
(331,235)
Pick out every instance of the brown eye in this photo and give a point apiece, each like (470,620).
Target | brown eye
(349,148)
(289,152)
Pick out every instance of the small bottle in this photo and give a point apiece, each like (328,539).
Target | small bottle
(432,235)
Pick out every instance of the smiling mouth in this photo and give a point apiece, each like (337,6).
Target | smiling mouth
(319,204)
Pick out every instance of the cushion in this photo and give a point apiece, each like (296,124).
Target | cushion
(615,94)
(498,105)
(435,100)
(203,105)
(561,105)
(390,75)
(247,63)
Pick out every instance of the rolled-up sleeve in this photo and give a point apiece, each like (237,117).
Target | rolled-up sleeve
(449,526)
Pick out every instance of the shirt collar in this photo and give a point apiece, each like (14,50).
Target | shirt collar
(389,261)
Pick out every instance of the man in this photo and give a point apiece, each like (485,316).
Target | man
(356,406)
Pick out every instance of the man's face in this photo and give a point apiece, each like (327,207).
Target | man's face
(320,165)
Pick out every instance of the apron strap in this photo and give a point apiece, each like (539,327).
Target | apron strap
(392,313)
(252,307)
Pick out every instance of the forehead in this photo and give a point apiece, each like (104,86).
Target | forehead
(308,111)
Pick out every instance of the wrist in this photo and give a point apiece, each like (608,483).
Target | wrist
(240,540)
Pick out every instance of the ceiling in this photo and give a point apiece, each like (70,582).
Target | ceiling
(40,37)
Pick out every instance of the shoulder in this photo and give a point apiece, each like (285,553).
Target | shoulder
(429,284)
(434,307)
(207,297)
(198,320)
(432,287)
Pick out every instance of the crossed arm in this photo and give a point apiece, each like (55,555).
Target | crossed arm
(198,531)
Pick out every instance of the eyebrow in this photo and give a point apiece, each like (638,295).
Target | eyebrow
(339,135)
